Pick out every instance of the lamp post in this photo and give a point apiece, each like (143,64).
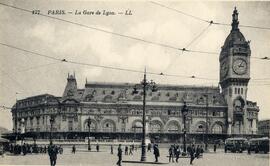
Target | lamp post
(16,118)
(22,125)
(89,124)
(206,119)
(184,113)
(51,123)
(145,85)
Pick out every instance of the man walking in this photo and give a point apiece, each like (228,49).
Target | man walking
(215,147)
(156,152)
(52,151)
(119,154)
(73,149)
(177,153)
(97,147)
(171,154)
(198,151)
(192,152)
(111,149)
(126,150)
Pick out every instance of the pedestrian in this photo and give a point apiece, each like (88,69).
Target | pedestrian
(156,152)
(201,150)
(111,149)
(188,149)
(249,149)
(52,151)
(73,149)
(192,152)
(119,154)
(97,147)
(60,150)
(132,147)
(24,149)
(126,150)
(177,153)
(130,150)
(198,151)
(215,147)
(149,147)
(171,154)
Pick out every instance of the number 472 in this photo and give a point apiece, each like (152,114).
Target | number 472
(36,12)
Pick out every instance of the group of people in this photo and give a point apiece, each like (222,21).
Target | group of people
(29,149)
(194,152)
(132,147)
(129,150)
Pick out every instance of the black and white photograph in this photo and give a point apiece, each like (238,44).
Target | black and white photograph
(128,83)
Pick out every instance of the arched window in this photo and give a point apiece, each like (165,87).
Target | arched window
(217,129)
(108,127)
(155,128)
(137,127)
(173,128)
(200,128)
(108,98)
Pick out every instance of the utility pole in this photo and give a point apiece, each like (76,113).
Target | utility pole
(207,121)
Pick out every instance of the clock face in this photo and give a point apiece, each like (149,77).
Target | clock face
(224,69)
(240,66)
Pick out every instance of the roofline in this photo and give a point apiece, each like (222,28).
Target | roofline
(160,86)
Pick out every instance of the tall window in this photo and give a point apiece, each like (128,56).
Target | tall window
(155,128)
(70,125)
(64,118)
(173,128)
(217,129)
(108,127)
(137,127)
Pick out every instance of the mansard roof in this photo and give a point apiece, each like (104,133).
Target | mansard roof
(123,92)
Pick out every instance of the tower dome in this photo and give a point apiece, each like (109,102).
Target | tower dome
(235,38)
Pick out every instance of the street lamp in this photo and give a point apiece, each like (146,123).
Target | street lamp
(145,85)
(22,125)
(207,121)
(89,124)
(51,122)
(184,113)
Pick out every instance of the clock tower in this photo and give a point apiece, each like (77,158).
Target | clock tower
(234,77)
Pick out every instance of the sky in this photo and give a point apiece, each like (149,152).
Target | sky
(29,75)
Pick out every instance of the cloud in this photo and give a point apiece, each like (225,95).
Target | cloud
(43,30)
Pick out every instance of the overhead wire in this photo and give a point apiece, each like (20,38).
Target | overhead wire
(104,66)
(95,65)
(204,20)
(109,32)
(118,34)
(199,35)
(35,67)
(178,11)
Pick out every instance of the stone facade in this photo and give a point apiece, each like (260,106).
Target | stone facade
(264,127)
(114,109)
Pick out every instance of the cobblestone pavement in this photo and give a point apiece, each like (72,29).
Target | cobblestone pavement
(104,158)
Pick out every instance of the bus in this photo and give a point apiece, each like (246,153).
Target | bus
(259,144)
(236,145)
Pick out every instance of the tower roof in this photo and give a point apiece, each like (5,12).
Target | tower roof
(235,34)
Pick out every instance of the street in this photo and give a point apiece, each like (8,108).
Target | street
(104,158)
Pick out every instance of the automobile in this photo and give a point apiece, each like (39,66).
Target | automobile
(259,144)
(236,145)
